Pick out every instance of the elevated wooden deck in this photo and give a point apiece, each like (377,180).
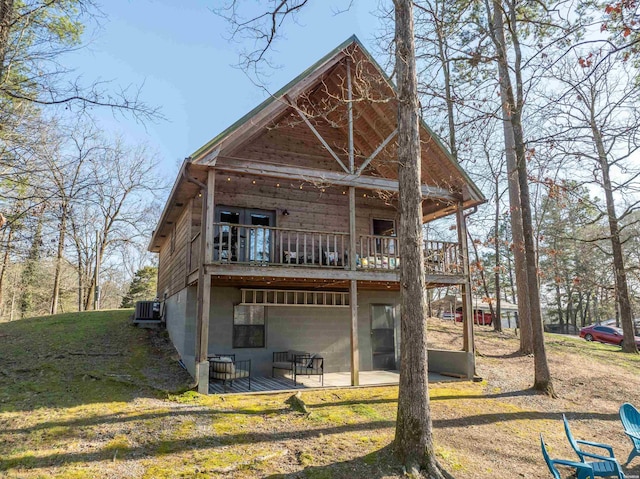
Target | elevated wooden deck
(281,253)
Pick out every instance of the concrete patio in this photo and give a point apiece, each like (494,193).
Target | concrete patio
(331,380)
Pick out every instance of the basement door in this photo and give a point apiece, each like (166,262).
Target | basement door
(383,337)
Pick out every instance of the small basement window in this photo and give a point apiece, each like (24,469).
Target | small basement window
(248,326)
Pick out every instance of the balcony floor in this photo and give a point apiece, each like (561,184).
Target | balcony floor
(331,380)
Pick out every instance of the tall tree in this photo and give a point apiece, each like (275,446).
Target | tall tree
(69,180)
(32,266)
(598,121)
(502,15)
(414,440)
(119,219)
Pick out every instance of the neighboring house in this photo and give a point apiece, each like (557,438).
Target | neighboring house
(280,233)
(450,307)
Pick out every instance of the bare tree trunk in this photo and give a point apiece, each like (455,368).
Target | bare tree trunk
(59,253)
(446,73)
(542,380)
(622,290)
(512,108)
(91,288)
(556,282)
(413,439)
(517,236)
(497,320)
(585,314)
(6,18)
(5,265)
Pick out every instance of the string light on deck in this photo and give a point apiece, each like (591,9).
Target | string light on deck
(228,178)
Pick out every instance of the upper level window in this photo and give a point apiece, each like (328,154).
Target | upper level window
(384,227)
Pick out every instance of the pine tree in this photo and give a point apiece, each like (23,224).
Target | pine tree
(142,287)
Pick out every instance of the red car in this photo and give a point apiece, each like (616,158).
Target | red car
(479,317)
(604,334)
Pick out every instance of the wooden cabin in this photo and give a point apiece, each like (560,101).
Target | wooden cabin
(280,233)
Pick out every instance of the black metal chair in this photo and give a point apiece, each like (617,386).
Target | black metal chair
(225,369)
(308,365)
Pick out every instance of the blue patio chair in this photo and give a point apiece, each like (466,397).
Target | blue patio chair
(582,470)
(630,418)
(603,466)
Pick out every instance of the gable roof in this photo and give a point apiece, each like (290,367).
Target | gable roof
(243,131)
(315,90)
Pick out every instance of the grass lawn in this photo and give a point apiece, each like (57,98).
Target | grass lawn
(87,396)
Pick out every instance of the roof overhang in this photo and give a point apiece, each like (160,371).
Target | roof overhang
(184,189)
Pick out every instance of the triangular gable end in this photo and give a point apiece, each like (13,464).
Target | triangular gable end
(319,96)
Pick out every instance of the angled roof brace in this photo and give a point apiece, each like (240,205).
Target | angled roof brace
(378,150)
(315,132)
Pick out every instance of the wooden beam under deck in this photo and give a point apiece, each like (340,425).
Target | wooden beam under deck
(301,272)
(273,277)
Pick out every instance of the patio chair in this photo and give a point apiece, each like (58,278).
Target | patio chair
(582,470)
(603,466)
(285,361)
(226,370)
(630,418)
(308,365)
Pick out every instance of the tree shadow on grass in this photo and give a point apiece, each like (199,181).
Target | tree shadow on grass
(375,465)
(511,355)
(215,441)
(162,447)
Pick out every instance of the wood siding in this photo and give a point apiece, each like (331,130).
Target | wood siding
(308,208)
(172,268)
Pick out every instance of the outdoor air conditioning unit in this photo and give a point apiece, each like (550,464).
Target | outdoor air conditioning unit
(148,314)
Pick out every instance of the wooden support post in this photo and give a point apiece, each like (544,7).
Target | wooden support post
(208,228)
(352,168)
(467,311)
(355,353)
(353,284)
(352,229)
(204,284)
(352,165)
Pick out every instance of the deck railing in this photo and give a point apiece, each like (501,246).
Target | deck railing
(267,245)
(377,252)
(442,257)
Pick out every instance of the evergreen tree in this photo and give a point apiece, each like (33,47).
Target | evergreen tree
(142,287)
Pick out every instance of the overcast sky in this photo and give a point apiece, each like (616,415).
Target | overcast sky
(180,52)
